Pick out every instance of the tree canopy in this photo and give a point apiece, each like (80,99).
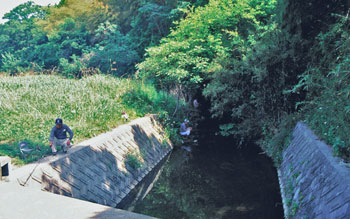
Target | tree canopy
(70,35)
(25,12)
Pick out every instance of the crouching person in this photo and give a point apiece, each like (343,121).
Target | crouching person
(58,136)
(184,130)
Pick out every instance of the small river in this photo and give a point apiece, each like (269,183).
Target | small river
(215,180)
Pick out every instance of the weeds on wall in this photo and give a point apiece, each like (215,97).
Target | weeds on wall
(134,160)
(290,192)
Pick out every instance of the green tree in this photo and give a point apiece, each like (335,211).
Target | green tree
(25,12)
(113,50)
(89,13)
(153,22)
(69,39)
(187,56)
(20,34)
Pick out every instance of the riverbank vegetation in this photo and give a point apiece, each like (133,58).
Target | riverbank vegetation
(262,65)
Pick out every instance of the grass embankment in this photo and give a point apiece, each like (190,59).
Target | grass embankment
(29,106)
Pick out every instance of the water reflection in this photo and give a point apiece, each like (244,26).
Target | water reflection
(215,180)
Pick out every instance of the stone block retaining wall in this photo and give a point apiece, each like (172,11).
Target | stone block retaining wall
(314,183)
(96,170)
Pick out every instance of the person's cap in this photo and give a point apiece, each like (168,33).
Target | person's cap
(58,121)
(186,120)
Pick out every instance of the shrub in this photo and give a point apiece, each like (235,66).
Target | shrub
(11,63)
(133,160)
(72,69)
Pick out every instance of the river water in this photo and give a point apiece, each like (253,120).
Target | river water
(215,180)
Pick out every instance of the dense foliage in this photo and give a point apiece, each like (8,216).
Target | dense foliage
(81,38)
(218,55)
(263,65)
(326,81)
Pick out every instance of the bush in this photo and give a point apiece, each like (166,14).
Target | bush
(11,64)
(145,99)
(74,69)
(171,127)
(133,161)
(140,100)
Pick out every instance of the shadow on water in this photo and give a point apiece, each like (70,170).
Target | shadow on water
(215,180)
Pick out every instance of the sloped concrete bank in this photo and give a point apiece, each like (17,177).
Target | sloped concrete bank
(314,183)
(98,169)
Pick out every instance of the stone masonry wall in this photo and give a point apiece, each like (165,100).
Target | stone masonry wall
(314,184)
(96,170)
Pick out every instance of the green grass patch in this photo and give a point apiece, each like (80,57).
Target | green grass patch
(29,106)
(133,159)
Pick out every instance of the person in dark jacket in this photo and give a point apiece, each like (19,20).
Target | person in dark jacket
(58,136)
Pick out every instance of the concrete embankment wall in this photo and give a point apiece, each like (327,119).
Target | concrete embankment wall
(314,183)
(97,170)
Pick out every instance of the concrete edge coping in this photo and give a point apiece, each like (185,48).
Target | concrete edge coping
(31,167)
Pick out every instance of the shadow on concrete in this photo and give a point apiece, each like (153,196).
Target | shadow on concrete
(88,174)
(99,173)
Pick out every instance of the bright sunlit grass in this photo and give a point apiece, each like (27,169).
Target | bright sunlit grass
(29,106)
